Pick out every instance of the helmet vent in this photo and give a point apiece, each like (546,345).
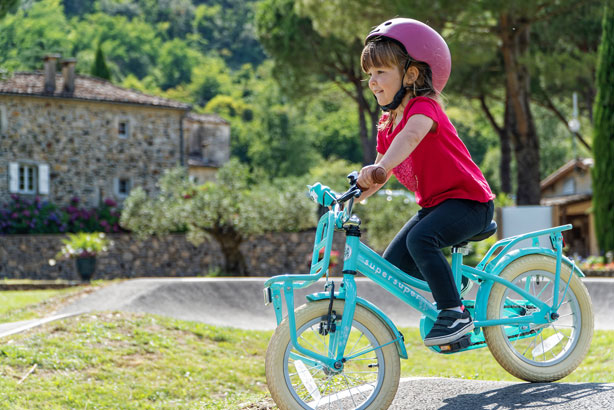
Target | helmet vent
(388,23)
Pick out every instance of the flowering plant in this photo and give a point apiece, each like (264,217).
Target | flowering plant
(83,245)
(334,257)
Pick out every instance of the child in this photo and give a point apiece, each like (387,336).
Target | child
(408,64)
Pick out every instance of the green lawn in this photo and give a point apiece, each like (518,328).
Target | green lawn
(118,360)
(15,304)
(132,361)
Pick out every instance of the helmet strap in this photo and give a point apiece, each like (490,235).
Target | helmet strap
(396,101)
(398,97)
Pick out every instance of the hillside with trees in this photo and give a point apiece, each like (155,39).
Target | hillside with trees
(286,74)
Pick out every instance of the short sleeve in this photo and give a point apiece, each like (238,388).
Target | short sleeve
(425,106)
(382,145)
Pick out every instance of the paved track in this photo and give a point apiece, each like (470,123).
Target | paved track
(239,302)
(455,394)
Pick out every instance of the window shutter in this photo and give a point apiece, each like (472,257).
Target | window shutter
(13,177)
(43,179)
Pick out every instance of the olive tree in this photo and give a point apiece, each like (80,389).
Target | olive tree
(228,210)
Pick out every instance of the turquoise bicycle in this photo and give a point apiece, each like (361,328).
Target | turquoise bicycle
(340,351)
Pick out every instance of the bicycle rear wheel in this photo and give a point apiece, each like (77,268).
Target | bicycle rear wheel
(540,353)
(369,381)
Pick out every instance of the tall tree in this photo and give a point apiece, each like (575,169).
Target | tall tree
(603,170)
(305,58)
(100,68)
(6,6)
(509,27)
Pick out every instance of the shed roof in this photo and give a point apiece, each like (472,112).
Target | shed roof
(579,163)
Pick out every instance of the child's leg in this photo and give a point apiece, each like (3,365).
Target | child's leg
(397,252)
(447,224)
(444,225)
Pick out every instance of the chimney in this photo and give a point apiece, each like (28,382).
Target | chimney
(68,72)
(50,64)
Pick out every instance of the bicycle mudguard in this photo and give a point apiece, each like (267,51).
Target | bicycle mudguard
(394,332)
(485,287)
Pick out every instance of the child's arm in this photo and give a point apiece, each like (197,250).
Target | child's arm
(407,140)
(373,188)
(403,145)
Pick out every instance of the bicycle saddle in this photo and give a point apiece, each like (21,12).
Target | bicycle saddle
(489,231)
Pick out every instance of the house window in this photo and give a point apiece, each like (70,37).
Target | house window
(28,178)
(3,119)
(123,186)
(123,128)
(569,187)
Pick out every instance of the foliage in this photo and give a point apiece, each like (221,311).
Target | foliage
(236,205)
(301,100)
(384,215)
(32,216)
(83,245)
(603,170)
(6,6)
(598,263)
(99,68)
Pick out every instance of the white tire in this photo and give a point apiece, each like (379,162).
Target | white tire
(540,353)
(369,381)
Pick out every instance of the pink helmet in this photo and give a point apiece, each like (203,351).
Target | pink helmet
(422,43)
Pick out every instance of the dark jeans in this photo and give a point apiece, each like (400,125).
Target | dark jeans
(416,249)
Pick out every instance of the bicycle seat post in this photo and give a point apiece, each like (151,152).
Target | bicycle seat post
(457,262)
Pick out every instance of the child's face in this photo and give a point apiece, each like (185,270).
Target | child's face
(384,82)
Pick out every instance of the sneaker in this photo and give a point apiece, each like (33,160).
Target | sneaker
(466,286)
(449,326)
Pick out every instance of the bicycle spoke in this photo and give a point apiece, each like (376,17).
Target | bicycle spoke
(353,347)
(349,389)
(319,336)
(310,344)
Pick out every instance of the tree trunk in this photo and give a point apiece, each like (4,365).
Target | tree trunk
(505,168)
(504,143)
(230,241)
(368,135)
(514,35)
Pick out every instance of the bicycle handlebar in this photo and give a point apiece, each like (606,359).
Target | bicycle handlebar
(378,175)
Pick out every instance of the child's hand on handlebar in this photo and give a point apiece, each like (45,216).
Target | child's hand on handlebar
(371,174)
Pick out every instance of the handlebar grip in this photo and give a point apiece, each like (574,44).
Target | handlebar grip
(378,175)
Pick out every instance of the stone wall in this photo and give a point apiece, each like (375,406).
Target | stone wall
(79,142)
(28,256)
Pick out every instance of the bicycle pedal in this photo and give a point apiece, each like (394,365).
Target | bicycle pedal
(457,345)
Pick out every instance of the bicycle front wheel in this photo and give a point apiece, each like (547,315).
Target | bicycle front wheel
(369,381)
(540,353)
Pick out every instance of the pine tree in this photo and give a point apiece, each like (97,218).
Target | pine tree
(99,68)
(603,138)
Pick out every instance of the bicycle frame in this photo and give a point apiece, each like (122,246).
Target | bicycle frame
(358,257)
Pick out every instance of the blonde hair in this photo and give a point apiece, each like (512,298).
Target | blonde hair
(386,52)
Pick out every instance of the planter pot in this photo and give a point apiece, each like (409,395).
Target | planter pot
(86,267)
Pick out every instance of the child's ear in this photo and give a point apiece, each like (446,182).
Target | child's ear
(411,75)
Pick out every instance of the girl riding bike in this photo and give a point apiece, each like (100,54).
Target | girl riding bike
(408,64)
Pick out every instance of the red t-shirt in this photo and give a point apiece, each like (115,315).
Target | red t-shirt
(440,167)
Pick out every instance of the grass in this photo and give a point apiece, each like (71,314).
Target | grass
(118,360)
(13,303)
(16,305)
(132,361)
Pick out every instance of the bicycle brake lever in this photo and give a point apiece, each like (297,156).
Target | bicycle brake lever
(353,177)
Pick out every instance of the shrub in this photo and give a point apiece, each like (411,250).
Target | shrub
(35,216)
(83,245)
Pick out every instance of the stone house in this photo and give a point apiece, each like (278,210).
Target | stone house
(568,191)
(64,135)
